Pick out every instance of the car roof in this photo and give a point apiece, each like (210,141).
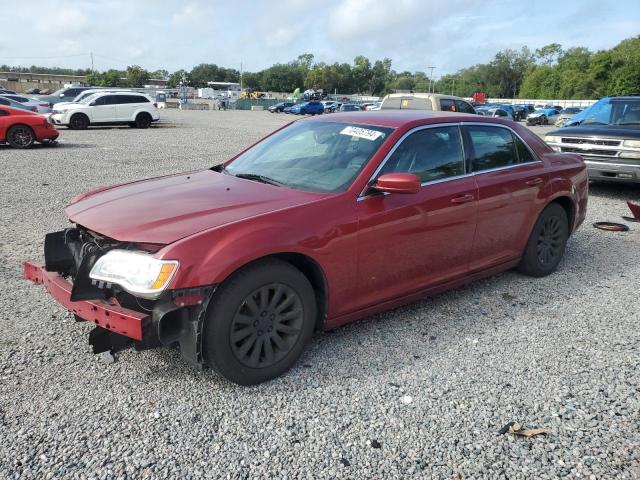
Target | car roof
(399,118)
(423,95)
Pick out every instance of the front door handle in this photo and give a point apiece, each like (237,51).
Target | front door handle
(463,199)
(534,182)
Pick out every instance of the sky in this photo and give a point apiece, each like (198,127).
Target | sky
(414,34)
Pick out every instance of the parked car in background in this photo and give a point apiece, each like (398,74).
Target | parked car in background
(7,102)
(31,103)
(82,95)
(105,108)
(32,91)
(314,107)
(66,94)
(279,107)
(543,116)
(566,114)
(21,128)
(497,112)
(520,112)
(426,101)
(511,110)
(374,106)
(366,105)
(607,135)
(332,106)
(350,107)
(4,91)
(325,221)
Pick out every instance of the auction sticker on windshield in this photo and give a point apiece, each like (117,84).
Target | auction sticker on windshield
(361,133)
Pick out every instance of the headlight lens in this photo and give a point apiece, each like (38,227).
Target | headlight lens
(137,272)
(632,143)
(552,139)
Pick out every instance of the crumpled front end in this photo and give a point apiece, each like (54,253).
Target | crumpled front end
(122,320)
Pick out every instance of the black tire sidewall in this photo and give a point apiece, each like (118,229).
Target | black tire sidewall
(12,129)
(143,120)
(79,116)
(223,307)
(530,264)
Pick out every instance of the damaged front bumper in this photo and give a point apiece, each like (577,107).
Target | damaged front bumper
(121,320)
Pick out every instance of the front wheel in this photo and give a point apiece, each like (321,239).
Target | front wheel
(259,322)
(79,121)
(143,120)
(20,136)
(547,242)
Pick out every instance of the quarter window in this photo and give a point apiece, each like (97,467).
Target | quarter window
(524,154)
(493,147)
(431,154)
(447,105)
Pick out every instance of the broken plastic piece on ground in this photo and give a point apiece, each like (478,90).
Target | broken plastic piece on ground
(630,219)
(611,226)
(517,429)
(635,209)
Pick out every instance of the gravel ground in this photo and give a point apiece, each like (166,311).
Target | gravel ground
(420,391)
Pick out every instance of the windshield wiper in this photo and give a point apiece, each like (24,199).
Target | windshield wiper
(259,178)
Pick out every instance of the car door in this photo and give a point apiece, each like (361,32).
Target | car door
(407,242)
(510,180)
(103,109)
(126,106)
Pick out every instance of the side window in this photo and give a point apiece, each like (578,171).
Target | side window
(72,92)
(140,99)
(447,105)
(524,154)
(493,147)
(464,107)
(100,101)
(431,154)
(501,113)
(4,101)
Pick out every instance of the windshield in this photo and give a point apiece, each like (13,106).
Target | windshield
(88,99)
(83,95)
(610,111)
(314,156)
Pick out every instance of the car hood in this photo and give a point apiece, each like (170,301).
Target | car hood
(614,131)
(165,209)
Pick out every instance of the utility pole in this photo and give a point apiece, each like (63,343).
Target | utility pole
(91,53)
(241,77)
(453,82)
(431,78)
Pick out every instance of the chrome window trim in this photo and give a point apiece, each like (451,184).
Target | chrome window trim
(537,160)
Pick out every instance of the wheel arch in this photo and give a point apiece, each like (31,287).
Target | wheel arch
(310,269)
(569,206)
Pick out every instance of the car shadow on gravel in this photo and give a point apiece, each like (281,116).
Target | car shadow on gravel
(40,146)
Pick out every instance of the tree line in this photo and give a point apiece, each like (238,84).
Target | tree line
(547,73)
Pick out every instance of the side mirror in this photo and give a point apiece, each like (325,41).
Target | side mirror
(398,183)
(92,104)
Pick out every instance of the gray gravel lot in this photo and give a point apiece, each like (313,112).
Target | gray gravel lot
(419,391)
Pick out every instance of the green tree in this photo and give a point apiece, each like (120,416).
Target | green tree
(137,76)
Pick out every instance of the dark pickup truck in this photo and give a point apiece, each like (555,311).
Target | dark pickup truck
(607,135)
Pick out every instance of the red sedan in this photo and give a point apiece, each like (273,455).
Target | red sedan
(22,128)
(324,221)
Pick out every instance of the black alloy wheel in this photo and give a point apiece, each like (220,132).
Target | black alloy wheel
(259,321)
(266,326)
(550,241)
(546,243)
(20,136)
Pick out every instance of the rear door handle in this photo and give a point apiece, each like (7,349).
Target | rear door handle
(463,199)
(534,182)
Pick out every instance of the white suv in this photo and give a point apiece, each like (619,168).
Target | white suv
(107,108)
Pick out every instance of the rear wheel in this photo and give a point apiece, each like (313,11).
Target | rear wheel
(79,121)
(547,242)
(544,120)
(143,120)
(20,136)
(259,322)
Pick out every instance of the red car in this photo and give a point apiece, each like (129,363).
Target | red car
(21,128)
(324,221)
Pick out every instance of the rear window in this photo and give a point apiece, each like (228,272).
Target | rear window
(407,103)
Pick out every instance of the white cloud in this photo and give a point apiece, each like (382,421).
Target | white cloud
(356,18)
(282,37)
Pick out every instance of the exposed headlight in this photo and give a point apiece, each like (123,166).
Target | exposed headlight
(632,143)
(552,139)
(137,272)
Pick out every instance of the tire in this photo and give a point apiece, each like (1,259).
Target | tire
(547,242)
(259,322)
(20,136)
(79,121)
(544,120)
(132,124)
(143,120)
